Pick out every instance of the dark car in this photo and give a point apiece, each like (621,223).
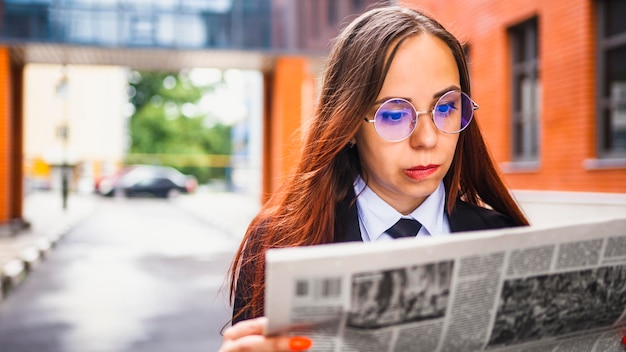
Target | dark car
(148,180)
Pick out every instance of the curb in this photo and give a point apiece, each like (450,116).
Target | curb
(15,270)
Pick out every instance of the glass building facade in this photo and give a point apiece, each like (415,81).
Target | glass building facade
(187,24)
(259,25)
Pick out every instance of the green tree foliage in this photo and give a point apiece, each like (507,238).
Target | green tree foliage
(161,134)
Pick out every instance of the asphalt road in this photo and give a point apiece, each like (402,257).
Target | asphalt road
(137,275)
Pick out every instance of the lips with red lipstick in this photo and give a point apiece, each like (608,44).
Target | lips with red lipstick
(421,171)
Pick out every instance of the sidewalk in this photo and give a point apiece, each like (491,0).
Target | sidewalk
(21,252)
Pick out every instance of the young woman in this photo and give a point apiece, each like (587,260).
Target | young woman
(394,137)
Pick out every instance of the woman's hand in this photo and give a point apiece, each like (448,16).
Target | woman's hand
(248,336)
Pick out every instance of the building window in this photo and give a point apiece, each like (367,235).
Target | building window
(611,73)
(315,19)
(333,13)
(526,91)
(357,4)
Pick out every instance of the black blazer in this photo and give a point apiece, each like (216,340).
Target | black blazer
(465,217)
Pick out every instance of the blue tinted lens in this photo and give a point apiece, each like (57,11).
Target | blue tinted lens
(395,119)
(445,109)
(393,116)
(453,112)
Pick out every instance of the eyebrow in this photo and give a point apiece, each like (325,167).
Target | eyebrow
(437,95)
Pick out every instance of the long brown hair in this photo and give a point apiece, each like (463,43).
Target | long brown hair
(302,212)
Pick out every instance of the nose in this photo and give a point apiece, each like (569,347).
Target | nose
(425,133)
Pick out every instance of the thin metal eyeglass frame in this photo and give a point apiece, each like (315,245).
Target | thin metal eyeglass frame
(418,113)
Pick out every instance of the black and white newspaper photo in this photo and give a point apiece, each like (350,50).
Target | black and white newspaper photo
(559,287)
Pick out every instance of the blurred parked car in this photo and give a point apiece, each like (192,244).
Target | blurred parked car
(151,180)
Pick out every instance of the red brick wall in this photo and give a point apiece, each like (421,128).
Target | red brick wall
(5,135)
(567,74)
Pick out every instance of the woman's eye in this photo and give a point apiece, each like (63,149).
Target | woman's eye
(393,115)
(445,108)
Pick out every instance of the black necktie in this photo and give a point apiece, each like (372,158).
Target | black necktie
(404,228)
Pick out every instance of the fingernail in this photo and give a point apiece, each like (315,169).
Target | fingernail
(300,343)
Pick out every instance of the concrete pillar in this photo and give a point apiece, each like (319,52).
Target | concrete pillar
(11,142)
(283,120)
(16,202)
(5,135)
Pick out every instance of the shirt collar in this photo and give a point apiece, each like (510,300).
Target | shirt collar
(376,216)
(431,213)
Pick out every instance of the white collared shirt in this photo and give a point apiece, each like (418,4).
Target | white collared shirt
(376,216)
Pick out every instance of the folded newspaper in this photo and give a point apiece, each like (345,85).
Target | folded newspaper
(560,288)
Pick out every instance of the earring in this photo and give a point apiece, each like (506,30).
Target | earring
(351,144)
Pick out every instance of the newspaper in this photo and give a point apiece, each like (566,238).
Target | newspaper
(560,288)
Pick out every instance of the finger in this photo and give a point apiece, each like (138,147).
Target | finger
(257,343)
(244,328)
(248,336)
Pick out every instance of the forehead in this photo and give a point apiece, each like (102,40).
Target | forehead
(423,65)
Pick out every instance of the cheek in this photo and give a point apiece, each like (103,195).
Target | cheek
(373,153)
(371,158)
(448,146)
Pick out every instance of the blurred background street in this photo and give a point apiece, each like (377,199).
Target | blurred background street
(200,104)
(134,274)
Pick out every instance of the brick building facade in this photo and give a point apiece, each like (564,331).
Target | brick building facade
(549,77)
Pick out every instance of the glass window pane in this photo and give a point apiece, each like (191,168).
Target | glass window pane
(614,129)
(518,94)
(315,13)
(519,50)
(528,98)
(192,31)
(616,124)
(606,131)
(333,12)
(533,34)
(107,26)
(615,11)
(25,21)
(518,138)
(80,28)
(166,30)
(534,136)
(526,90)
(618,127)
(615,89)
(615,69)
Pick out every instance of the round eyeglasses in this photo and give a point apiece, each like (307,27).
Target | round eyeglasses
(396,118)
